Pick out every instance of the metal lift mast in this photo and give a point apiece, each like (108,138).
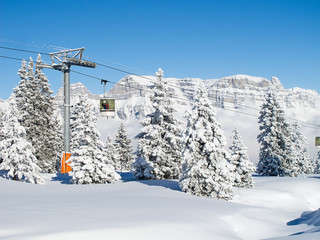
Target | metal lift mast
(62,61)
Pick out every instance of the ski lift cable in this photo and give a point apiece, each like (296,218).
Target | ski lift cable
(185,100)
(87,75)
(116,63)
(23,50)
(103,65)
(256,109)
(100,64)
(33,44)
(13,58)
(141,89)
(121,84)
(20,59)
(123,71)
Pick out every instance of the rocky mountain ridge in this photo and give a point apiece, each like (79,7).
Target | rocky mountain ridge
(234,92)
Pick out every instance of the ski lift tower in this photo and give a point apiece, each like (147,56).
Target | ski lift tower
(62,61)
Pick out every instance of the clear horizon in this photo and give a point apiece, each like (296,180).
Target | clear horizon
(196,39)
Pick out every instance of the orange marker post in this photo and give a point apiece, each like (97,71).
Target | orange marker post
(65,167)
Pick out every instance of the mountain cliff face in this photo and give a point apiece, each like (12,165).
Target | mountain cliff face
(237,98)
(76,89)
(235,92)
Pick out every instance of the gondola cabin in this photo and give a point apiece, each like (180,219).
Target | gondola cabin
(107,107)
(317,141)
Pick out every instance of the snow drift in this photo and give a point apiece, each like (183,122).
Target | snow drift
(157,209)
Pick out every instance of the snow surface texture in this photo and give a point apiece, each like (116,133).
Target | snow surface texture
(157,209)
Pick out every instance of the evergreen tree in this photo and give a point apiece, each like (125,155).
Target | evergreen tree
(20,92)
(159,143)
(316,164)
(277,154)
(307,164)
(303,162)
(30,113)
(56,138)
(16,151)
(49,144)
(35,103)
(2,136)
(89,160)
(113,154)
(205,167)
(124,149)
(240,160)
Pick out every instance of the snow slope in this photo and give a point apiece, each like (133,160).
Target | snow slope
(157,209)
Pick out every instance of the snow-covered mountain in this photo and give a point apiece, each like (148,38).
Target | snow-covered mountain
(230,91)
(76,89)
(237,98)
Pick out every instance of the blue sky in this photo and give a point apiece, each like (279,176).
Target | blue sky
(204,39)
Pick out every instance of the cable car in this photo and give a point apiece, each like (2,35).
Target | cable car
(317,141)
(107,105)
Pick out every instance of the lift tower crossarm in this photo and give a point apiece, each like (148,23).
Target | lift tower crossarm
(63,58)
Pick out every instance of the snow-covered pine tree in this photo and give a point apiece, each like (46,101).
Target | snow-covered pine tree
(30,111)
(307,162)
(289,154)
(35,103)
(2,136)
(20,92)
(49,142)
(303,162)
(57,138)
(124,149)
(159,143)
(316,164)
(205,167)
(16,152)
(88,160)
(277,155)
(112,154)
(243,167)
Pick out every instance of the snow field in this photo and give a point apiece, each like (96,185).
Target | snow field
(158,212)
(154,209)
